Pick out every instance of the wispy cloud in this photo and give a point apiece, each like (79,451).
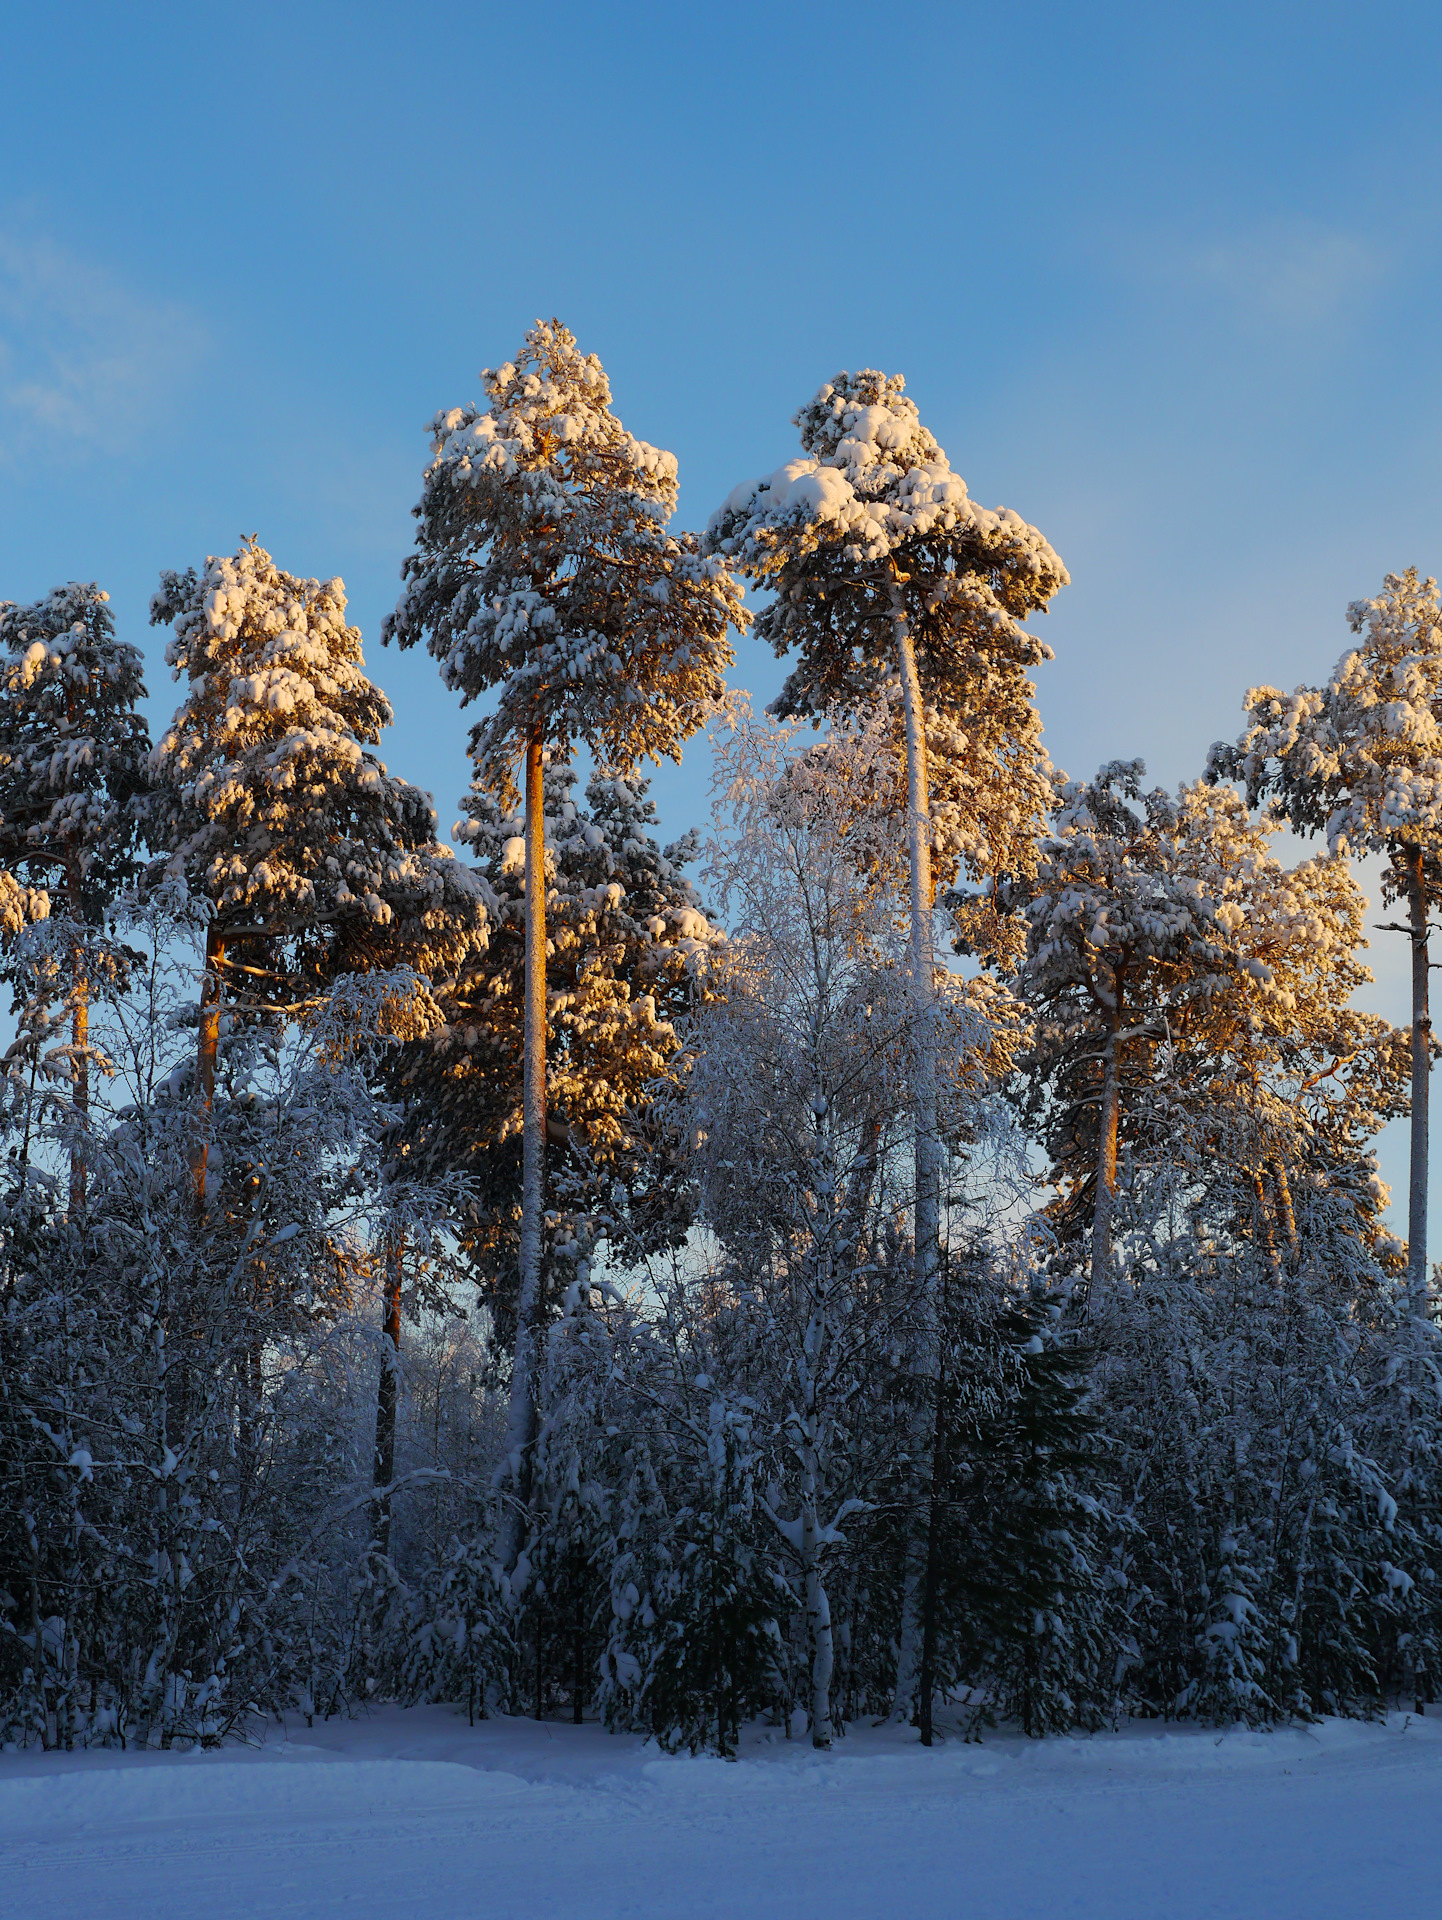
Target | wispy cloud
(87,363)
(1290,279)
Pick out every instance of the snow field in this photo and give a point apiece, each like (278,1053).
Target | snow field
(415,1813)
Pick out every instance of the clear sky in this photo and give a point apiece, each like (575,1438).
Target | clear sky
(1164,279)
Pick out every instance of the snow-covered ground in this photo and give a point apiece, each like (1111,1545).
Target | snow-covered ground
(418,1814)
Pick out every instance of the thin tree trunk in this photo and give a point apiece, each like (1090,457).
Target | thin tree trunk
(927,1686)
(818,1611)
(207,1050)
(79,1031)
(927,1143)
(386,1398)
(521,1422)
(1107,1140)
(578,1650)
(1262,1234)
(1421,1078)
(859,1184)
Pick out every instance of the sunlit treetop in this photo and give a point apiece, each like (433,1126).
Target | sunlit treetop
(73,744)
(871,521)
(1360,759)
(544,570)
(268,797)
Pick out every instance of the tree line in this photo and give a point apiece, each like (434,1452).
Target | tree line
(935,1255)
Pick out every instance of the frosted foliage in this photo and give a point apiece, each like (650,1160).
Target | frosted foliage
(268,798)
(1361,758)
(629,949)
(626,940)
(817,851)
(1230,976)
(73,748)
(872,511)
(544,568)
(20,905)
(871,480)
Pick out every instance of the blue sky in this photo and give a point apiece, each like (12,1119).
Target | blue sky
(1163,279)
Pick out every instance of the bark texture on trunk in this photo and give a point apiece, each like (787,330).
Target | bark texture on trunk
(521,1421)
(387,1396)
(926,1691)
(1286,1213)
(1107,1139)
(207,1052)
(928,1144)
(1421,1080)
(818,1610)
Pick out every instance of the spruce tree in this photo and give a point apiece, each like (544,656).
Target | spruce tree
(543,569)
(270,804)
(73,759)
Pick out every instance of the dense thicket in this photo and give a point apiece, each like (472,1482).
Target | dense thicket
(1016,1340)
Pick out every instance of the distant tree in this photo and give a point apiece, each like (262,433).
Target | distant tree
(543,568)
(1361,761)
(1183,981)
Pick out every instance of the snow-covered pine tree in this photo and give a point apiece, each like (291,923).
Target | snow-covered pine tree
(1177,969)
(270,804)
(898,589)
(169,1475)
(1108,920)
(696,1596)
(628,948)
(544,569)
(73,758)
(1360,760)
(1020,1608)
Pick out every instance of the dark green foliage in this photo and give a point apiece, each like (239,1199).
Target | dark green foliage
(698,1601)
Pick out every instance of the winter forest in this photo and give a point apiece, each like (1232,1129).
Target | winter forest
(917,1242)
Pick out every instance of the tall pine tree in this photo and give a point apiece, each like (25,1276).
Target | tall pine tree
(898,589)
(543,570)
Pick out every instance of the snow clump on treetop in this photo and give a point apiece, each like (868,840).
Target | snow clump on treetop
(871,477)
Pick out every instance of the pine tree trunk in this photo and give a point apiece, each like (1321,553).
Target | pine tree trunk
(1286,1212)
(926,1690)
(387,1395)
(79,1031)
(1107,1140)
(927,1144)
(207,1051)
(1421,1078)
(521,1422)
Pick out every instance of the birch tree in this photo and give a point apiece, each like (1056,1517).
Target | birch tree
(1360,760)
(898,591)
(797,1103)
(544,573)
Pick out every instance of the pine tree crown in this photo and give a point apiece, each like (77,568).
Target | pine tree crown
(870,521)
(267,797)
(544,572)
(1360,759)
